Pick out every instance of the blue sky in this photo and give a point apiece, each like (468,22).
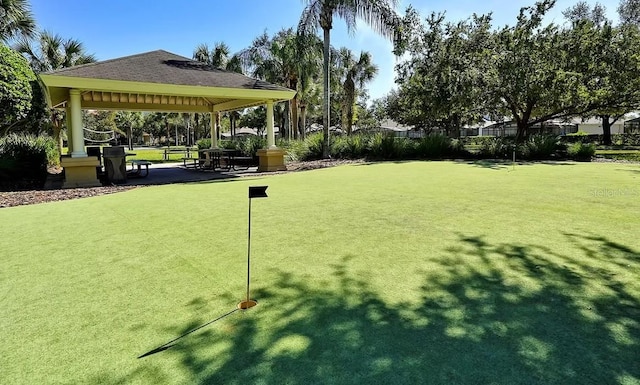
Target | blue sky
(116,28)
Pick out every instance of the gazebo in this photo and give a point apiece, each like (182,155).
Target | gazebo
(155,81)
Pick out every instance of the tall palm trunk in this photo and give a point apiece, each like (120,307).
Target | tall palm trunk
(130,136)
(326,103)
(293,84)
(303,120)
(350,96)
(57,136)
(285,129)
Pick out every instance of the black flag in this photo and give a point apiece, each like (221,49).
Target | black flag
(258,191)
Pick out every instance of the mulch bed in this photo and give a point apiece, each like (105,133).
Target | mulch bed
(30,197)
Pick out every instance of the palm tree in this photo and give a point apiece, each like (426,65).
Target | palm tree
(379,14)
(356,73)
(51,52)
(287,59)
(218,57)
(16,20)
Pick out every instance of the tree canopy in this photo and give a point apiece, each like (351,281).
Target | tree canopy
(456,73)
(17,81)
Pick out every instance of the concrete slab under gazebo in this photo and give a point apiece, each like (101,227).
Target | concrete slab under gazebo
(155,81)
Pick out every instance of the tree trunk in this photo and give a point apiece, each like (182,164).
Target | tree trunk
(347,108)
(218,126)
(325,105)
(57,136)
(130,137)
(606,130)
(232,124)
(303,120)
(196,128)
(286,131)
(522,131)
(166,122)
(293,84)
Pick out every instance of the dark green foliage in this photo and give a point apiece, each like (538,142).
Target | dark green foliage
(340,148)
(16,89)
(296,150)
(617,139)
(626,139)
(251,145)
(203,143)
(314,144)
(539,147)
(248,146)
(434,147)
(631,157)
(581,151)
(476,140)
(24,160)
(497,148)
(385,146)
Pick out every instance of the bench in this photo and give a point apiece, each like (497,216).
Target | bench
(244,160)
(183,151)
(194,162)
(139,163)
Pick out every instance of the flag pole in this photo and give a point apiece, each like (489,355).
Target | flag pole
(249,252)
(254,192)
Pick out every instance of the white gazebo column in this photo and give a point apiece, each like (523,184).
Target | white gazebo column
(271,158)
(79,169)
(77,136)
(271,137)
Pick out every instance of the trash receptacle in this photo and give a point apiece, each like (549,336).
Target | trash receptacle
(115,165)
(95,151)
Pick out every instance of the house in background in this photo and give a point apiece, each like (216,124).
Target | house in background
(632,126)
(400,130)
(510,128)
(594,125)
(244,132)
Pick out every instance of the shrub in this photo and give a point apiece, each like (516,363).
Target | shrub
(631,157)
(626,139)
(539,147)
(24,160)
(297,150)
(203,143)
(251,145)
(357,146)
(383,146)
(581,151)
(457,148)
(314,144)
(497,148)
(339,148)
(434,147)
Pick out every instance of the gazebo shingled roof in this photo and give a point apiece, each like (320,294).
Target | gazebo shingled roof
(159,81)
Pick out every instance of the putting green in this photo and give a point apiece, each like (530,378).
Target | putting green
(416,272)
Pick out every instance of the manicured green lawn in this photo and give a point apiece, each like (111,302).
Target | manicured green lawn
(393,273)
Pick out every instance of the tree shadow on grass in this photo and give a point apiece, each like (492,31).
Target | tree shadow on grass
(487,313)
(500,164)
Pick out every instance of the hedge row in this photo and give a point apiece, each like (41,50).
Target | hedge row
(387,147)
(24,160)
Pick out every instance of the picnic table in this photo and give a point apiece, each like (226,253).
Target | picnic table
(221,159)
(139,163)
(186,152)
